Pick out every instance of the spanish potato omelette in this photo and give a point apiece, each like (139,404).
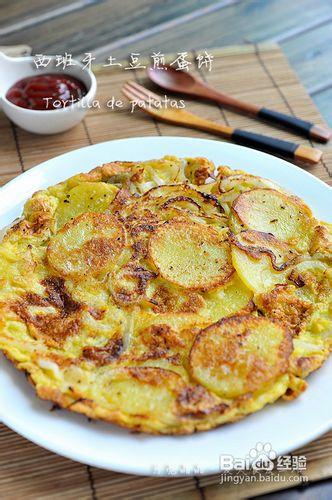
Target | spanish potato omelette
(164,298)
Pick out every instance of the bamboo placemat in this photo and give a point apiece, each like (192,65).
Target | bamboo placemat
(260,74)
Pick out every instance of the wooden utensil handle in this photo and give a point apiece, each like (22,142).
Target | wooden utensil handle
(257,141)
(299,126)
(277,146)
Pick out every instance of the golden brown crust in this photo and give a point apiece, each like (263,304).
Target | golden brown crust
(53,328)
(198,170)
(283,305)
(322,241)
(106,172)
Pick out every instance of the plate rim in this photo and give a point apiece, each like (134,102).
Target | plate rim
(142,471)
(48,164)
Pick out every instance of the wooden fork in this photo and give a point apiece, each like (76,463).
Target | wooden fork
(148,101)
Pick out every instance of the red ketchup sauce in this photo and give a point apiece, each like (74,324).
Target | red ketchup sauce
(46,92)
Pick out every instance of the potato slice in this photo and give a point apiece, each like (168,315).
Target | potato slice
(85,197)
(256,243)
(232,185)
(86,245)
(191,255)
(270,211)
(240,355)
(261,260)
(257,274)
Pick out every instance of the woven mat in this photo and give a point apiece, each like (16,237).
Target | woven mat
(259,74)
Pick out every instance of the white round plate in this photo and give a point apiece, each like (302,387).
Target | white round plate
(286,426)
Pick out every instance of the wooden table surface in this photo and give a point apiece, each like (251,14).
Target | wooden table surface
(303,28)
